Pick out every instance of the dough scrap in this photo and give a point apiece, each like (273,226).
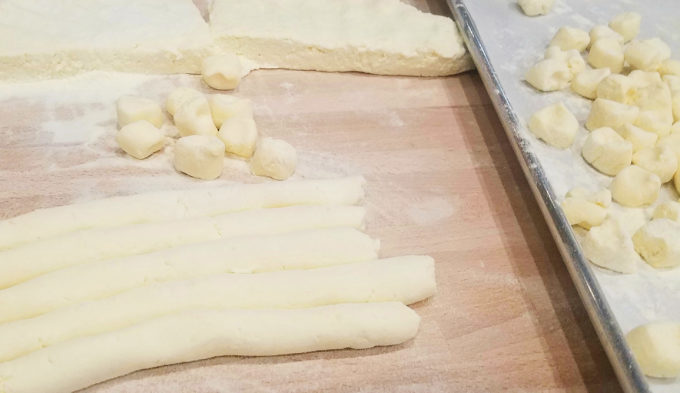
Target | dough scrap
(169,205)
(406,279)
(385,36)
(195,335)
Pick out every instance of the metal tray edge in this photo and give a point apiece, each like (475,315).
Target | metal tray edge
(628,372)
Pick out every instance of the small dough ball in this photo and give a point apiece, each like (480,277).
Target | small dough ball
(140,139)
(549,75)
(274,158)
(607,151)
(653,96)
(608,113)
(673,83)
(669,67)
(535,7)
(555,125)
(178,97)
(194,118)
(222,72)
(647,55)
(627,25)
(669,210)
(568,38)
(133,108)
(585,83)
(584,209)
(239,135)
(223,107)
(608,246)
(656,121)
(660,160)
(571,57)
(617,88)
(656,348)
(200,156)
(606,53)
(640,138)
(658,242)
(635,187)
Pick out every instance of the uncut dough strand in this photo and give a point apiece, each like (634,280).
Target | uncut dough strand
(198,335)
(249,254)
(169,205)
(405,279)
(33,259)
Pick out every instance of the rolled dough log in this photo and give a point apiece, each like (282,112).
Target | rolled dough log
(24,262)
(170,205)
(405,279)
(249,254)
(195,335)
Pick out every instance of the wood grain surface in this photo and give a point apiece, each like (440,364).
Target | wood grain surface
(442,180)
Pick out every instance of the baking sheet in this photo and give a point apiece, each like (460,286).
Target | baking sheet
(505,43)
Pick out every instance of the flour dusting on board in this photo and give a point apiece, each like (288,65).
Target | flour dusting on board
(650,294)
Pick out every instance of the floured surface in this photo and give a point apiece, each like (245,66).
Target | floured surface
(441,180)
(650,294)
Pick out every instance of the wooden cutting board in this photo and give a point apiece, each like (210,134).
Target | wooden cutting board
(442,181)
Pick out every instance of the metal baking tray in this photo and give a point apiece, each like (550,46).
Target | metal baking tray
(466,13)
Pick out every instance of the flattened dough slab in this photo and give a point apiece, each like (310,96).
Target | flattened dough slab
(195,335)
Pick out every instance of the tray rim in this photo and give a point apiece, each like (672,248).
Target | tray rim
(628,372)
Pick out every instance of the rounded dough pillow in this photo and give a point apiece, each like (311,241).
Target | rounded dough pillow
(606,53)
(608,113)
(223,106)
(555,125)
(568,38)
(656,347)
(178,97)
(222,72)
(660,160)
(627,24)
(140,139)
(274,158)
(585,83)
(657,242)
(535,7)
(239,135)
(607,151)
(132,108)
(194,118)
(200,156)
(549,75)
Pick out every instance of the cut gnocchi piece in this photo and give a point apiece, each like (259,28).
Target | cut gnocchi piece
(585,83)
(194,118)
(535,7)
(608,113)
(199,156)
(606,53)
(223,106)
(555,125)
(647,55)
(132,108)
(660,160)
(657,242)
(644,78)
(635,187)
(607,151)
(222,72)
(669,210)
(274,158)
(549,75)
(626,24)
(239,135)
(600,32)
(656,348)
(572,58)
(568,38)
(178,97)
(669,67)
(617,87)
(608,246)
(584,209)
(140,139)
(641,139)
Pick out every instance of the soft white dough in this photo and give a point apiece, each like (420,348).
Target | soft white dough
(198,335)
(169,205)
(244,254)
(406,279)
(25,262)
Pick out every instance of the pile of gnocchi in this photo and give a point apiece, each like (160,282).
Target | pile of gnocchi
(634,136)
(209,127)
